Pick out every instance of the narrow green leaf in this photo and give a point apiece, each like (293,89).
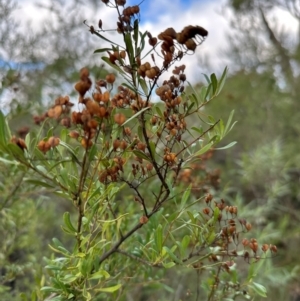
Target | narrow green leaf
(259,289)
(214,82)
(5,134)
(227,146)
(158,237)
(100,274)
(216,213)
(185,242)
(222,80)
(198,130)
(130,87)
(136,31)
(136,115)
(207,94)
(141,155)
(169,265)
(186,195)
(110,289)
(16,151)
(190,107)
(228,122)
(172,255)
(117,68)
(129,48)
(203,149)
(38,183)
(68,222)
(152,149)
(102,50)
(144,86)
(159,112)
(104,38)
(207,78)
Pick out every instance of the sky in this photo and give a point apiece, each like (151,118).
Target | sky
(157,15)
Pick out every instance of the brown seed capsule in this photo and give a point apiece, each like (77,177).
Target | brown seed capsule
(74,134)
(143,219)
(190,44)
(119,118)
(84,73)
(206,211)
(265,247)
(152,41)
(116,144)
(105,97)
(123,144)
(42,146)
(110,78)
(248,226)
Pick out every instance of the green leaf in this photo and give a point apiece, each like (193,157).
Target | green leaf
(5,134)
(129,48)
(207,78)
(144,86)
(116,67)
(136,31)
(172,255)
(227,129)
(110,289)
(216,213)
(184,244)
(68,223)
(259,289)
(227,146)
(105,39)
(198,130)
(99,275)
(203,149)
(186,195)
(222,80)
(135,115)
(38,183)
(214,82)
(169,265)
(141,155)
(159,112)
(158,237)
(152,149)
(102,50)
(207,94)
(16,151)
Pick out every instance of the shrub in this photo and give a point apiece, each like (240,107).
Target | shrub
(124,158)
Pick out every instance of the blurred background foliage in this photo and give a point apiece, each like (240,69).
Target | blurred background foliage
(260,174)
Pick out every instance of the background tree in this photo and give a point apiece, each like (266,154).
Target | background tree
(263,89)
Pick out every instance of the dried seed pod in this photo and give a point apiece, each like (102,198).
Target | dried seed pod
(190,44)
(55,112)
(152,41)
(119,118)
(143,219)
(110,78)
(84,73)
(74,134)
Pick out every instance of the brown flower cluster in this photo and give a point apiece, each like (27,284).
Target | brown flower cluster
(45,145)
(126,19)
(188,39)
(19,142)
(230,231)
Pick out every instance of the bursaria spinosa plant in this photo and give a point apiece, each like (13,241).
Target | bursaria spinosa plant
(125,156)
